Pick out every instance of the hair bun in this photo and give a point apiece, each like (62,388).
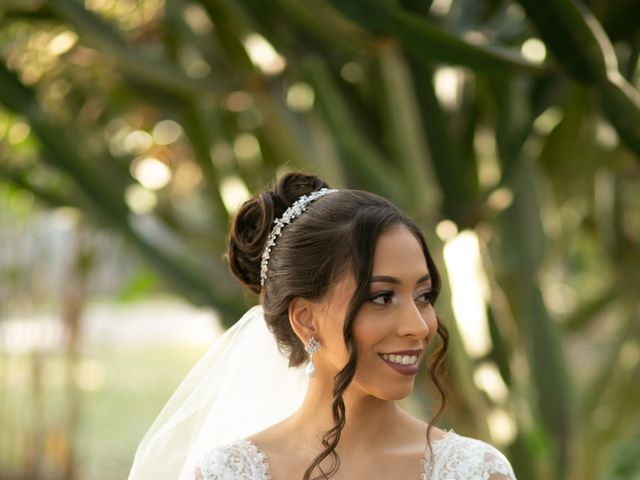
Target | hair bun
(251,225)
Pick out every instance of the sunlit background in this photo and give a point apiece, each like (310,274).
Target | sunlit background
(130,131)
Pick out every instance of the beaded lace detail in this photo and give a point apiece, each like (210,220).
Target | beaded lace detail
(455,457)
(295,210)
(240,460)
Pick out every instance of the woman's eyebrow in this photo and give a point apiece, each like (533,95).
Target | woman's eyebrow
(396,281)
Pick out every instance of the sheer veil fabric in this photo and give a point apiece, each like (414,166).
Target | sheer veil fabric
(240,386)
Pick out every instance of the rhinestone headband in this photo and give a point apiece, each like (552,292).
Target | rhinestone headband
(295,210)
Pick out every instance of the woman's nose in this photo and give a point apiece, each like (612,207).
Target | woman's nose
(414,321)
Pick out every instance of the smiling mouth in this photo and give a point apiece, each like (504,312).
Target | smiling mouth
(400,359)
(397,363)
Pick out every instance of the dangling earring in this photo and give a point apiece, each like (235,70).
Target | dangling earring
(312,347)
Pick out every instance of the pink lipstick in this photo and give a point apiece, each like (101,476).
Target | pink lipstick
(404,369)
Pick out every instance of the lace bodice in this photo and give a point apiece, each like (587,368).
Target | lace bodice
(455,457)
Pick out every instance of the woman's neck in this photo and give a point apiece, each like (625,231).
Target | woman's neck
(371,425)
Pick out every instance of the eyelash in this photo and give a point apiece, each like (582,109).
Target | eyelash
(387,294)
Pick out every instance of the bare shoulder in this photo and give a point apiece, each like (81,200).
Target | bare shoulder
(283,457)
(276,440)
(267,440)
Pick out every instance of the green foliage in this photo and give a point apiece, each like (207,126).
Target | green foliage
(520,122)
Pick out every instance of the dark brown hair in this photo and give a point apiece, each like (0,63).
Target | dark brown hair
(337,232)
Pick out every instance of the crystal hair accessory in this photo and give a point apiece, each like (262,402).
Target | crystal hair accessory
(312,347)
(299,206)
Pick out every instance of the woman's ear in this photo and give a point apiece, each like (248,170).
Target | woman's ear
(301,318)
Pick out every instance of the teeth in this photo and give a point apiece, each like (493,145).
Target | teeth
(401,359)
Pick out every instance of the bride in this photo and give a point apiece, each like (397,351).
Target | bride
(347,289)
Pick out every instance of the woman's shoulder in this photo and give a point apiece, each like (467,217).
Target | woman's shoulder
(239,460)
(459,456)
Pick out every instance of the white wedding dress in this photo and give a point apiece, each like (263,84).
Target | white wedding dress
(229,395)
(455,457)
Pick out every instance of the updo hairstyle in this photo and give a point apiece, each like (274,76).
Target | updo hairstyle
(337,234)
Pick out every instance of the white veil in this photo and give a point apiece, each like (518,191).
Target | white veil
(240,386)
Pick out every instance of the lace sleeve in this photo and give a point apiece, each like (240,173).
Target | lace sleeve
(238,461)
(496,465)
(465,458)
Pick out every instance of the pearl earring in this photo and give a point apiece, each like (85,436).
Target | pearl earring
(312,347)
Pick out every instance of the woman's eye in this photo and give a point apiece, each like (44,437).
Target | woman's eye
(426,297)
(382,298)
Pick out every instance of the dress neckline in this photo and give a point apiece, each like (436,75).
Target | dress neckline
(264,464)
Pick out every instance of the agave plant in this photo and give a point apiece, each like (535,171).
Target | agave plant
(517,122)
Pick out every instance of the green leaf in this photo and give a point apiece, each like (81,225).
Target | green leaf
(153,72)
(402,123)
(422,38)
(362,157)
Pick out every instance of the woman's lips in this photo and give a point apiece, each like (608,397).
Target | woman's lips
(403,369)
(404,352)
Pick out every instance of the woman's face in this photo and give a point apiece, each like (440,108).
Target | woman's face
(393,326)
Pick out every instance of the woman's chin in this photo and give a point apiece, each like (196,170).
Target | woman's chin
(402,395)
(395,393)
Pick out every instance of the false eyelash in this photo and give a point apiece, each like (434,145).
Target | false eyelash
(380,294)
(429,294)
